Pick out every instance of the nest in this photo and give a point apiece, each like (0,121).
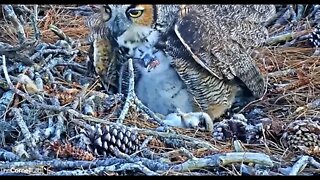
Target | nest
(54,98)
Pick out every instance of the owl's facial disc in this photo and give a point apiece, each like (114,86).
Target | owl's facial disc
(130,25)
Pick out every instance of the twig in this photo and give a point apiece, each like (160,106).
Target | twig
(187,153)
(139,166)
(275,17)
(314,104)
(7,156)
(80,96)
(148,111)
(59,164)
(283,73)
(60,34)
(33,16)
(5,71)
(24,129)
(300,11)
(314,163)
(293,14)
(38,81)
(248,157)
(59,127)
(29,139)
(192,141)
(238,147)
(94,171)
(285,37)
(299,165)
(222,160)
(15,21)
(130,95)
(4,47)
(71,64)
(5,102)
(146,141)
(119,154)
(35,11)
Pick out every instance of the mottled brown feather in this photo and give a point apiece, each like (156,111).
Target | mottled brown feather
(211,33)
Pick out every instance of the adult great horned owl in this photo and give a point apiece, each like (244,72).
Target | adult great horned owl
(205,52)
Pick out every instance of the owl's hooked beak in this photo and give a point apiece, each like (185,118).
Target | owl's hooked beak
(147,58)
(119,25)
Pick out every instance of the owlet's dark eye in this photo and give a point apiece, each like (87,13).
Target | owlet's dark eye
(107,9)
(135,13)
(107,15)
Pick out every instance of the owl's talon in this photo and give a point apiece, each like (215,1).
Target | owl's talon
(194,120)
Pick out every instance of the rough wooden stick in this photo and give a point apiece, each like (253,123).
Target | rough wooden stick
(257,158)
(190,140)
(146,141)
(132,97)
(299,165)
(60,34)
(94,171)
(8,156)
(277,74)
(5,102)
(273,19)
(15,21)
(80,96)
(59,127)
(293,14)
(24,129)
(131,93)
(222,160)
(187,153)
(29,139)
(137,166)
(4,47)
(60,164)
(145,109)
(285,37)
(33,16)
(5,71)
(314,163)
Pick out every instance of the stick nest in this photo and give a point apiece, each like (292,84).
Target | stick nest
(54,97)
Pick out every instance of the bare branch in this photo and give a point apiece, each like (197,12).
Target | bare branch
(299,165)
(16,23)
(131,93)
(222,160)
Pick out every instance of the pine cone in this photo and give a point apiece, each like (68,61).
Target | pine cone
(238,127)
(102,139)
(230,128)
(302,135)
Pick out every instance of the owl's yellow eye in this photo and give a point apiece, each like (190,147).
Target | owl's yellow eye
(135,13)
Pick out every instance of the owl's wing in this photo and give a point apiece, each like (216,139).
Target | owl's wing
(209,33)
